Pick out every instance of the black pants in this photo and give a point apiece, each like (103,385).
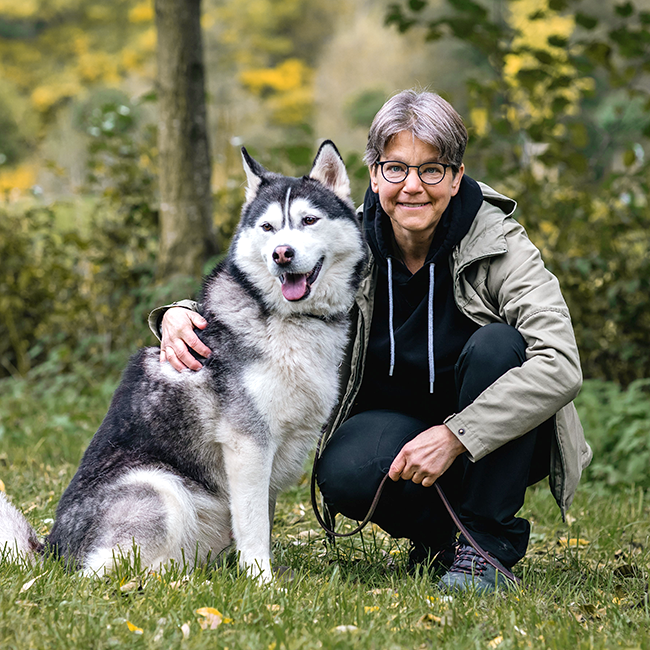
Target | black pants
(486,494)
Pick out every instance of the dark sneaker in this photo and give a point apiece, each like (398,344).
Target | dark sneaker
(436,560)
(470,571)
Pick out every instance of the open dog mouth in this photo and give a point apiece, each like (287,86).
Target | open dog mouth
(296,286)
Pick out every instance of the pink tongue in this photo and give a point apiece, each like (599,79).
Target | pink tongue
(295,286)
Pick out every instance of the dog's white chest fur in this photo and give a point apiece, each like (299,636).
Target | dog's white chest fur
(295,384)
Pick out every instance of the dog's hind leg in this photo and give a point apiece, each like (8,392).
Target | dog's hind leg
(248,465)
(154,511)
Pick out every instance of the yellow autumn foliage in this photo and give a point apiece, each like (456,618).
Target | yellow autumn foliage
(74,44)
(142,12)
(17,179)
(534,33)
(289,75)
(291,87)
(17,10)
(479,119)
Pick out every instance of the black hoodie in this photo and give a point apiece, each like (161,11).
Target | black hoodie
(422,357)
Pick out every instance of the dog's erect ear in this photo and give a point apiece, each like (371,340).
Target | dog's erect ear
(254,174)
(330,171)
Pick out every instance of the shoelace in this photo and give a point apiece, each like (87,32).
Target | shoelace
(468,561)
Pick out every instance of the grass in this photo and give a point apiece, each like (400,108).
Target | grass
(590,591)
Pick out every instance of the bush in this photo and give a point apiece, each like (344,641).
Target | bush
(617,426)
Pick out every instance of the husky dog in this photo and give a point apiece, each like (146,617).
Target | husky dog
(185,460)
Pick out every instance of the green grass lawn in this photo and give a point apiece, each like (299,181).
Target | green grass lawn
(586,581)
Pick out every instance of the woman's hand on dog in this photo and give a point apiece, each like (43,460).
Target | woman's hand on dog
(427,457)
(178,335)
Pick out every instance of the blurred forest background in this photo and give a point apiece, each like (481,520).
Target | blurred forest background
(555,95)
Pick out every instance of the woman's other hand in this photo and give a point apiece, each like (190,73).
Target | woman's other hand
(427,457)
(178,335)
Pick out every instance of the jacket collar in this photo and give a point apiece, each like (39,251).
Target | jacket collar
(485,237)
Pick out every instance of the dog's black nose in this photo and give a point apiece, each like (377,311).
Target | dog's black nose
(282,255)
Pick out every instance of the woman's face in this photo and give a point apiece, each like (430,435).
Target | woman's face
(414,207)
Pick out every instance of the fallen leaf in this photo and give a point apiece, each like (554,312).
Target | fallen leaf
(29,583)
(134,628)
(426,621)
(274,608)
(175,584)
(367,609)
(628,571)
(573,542)
(185,629)
(345,628)
(498,640)
(308,534)
(2,486)
(379,592)
(132,585)
(580,618)
(211,618)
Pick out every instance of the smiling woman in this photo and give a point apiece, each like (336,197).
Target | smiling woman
(463,365)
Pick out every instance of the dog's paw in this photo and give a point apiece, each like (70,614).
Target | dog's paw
(259,569)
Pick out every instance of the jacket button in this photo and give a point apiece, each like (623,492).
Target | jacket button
(461,432)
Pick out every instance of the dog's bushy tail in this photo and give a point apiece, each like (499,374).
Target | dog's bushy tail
(17,538)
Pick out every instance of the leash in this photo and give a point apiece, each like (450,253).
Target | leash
(373,506)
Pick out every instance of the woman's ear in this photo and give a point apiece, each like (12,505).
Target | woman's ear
(374,170)
(455,183)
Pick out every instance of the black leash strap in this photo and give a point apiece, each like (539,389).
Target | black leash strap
(373,506)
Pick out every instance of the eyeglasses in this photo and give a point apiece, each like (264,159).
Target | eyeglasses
(395,171)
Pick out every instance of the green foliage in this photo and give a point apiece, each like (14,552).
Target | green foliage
(617,424)
(74,298)
(362,108)
(68,298)
(558,119)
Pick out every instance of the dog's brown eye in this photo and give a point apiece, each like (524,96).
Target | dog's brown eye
(267,227)
(309,221)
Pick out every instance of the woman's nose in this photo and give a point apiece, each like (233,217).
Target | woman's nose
(412,182)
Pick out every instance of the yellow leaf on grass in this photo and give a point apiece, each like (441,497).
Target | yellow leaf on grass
(211,618)
(134,628)
(498,640)
(2,486)
(573,542)
(367,609)
(428,620)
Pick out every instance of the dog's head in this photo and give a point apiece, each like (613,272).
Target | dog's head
(299,241)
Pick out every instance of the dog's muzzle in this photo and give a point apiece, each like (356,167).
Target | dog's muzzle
(296,286)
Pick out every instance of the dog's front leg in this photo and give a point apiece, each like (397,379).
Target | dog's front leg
(248,465)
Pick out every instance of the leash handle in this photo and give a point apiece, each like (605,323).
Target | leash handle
(373,506)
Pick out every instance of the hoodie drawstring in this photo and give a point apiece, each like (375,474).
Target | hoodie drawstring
(432,369)
(391,327)
(391,332)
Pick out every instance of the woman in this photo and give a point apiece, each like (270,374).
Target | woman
(463,363)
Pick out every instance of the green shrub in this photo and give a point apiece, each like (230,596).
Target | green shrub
(617,426)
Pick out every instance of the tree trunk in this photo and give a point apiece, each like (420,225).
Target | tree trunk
(186,229)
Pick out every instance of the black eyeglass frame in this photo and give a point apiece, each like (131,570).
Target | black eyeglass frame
(381,164)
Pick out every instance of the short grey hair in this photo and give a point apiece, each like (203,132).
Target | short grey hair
(428,117)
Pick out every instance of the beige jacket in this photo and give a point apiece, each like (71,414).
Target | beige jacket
(499,277)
